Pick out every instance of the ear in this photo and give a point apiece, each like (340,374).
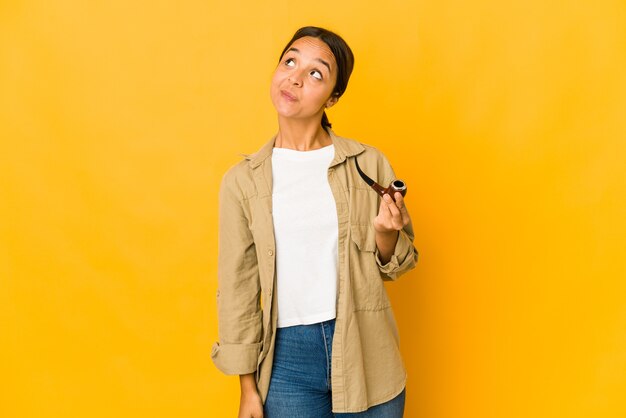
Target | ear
(332,100)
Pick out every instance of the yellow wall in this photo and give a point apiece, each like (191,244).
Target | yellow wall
(506,118)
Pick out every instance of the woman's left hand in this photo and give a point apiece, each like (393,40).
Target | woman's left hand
(392,216)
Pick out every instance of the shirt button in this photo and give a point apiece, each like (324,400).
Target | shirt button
(270,253)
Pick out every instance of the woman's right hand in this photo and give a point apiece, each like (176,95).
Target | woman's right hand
(250,404)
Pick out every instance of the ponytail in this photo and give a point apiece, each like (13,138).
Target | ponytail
(325,121)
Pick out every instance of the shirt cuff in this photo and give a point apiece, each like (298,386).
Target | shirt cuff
(236,359)
(400,259)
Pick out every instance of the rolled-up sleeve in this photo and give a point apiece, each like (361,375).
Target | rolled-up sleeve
(404,256)
(238,295)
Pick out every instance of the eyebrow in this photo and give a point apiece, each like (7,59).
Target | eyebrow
(316,59)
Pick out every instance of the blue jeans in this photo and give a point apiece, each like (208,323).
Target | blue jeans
(300,384)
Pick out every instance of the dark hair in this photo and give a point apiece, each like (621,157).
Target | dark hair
(341,51)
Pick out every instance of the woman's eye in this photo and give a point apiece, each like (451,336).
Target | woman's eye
(289,62)
(316,74)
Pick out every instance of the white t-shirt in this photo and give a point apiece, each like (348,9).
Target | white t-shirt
(306,232)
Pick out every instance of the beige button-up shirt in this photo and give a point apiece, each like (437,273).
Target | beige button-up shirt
(366,365)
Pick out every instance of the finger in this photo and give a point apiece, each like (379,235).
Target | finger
(399,200)
(396,215)
(391,205)
(387,201)
(383,203)
(406,218)
(384,213)
(383,209)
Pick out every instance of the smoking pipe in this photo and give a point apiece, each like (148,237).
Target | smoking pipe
(395,186)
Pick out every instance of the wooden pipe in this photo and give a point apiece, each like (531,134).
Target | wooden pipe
(395,186)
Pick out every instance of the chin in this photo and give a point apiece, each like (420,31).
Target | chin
(287,111)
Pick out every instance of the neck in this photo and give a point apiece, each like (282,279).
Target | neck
(301,135)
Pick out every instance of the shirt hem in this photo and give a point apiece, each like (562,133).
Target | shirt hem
(373,403)
(308,320)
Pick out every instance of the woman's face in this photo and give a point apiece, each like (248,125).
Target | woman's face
(304,80)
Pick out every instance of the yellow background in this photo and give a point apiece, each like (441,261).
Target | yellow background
(506,118)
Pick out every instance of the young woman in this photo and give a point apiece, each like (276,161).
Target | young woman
(304,247)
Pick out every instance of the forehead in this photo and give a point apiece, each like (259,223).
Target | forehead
(315,48)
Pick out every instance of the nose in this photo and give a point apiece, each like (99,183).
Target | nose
(295,78)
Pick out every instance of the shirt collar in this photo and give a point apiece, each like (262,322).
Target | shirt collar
(344,148)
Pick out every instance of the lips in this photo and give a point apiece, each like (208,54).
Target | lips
(290,97)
